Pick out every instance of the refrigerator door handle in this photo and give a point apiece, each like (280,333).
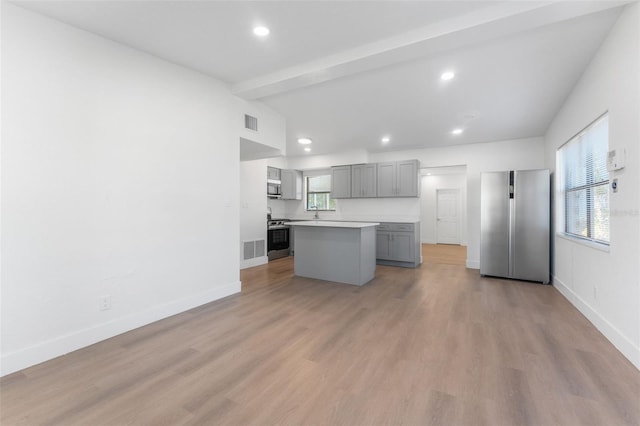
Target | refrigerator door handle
(511,184)
(512,235)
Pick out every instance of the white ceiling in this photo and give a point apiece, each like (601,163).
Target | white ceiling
(347,73)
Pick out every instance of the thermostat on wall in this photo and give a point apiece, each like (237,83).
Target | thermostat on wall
(615,159)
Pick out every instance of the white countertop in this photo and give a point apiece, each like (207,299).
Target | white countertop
(333,224)
(367,220)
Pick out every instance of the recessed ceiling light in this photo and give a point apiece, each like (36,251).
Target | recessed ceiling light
(307,149)
(304,141)
(261,31)
(428,174)
(447,75)
(386,139)
(457,131)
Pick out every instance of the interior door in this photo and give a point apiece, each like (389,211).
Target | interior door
(447,218)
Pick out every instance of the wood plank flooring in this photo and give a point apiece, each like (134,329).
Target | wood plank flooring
(436,345)
(444,253)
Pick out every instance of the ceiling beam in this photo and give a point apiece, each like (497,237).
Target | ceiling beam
(493,22)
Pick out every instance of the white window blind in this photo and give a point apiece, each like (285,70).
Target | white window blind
(320,183)
(319,193)
(584,182)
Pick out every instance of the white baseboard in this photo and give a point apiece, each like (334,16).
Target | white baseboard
(70,342)
(256,261)
(619,340)
(432,241)
(473,264)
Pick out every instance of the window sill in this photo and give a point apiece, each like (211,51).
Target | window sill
(591,244)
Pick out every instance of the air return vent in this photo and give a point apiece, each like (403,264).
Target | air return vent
(253,249)
(249,250)
(250,123)
(259,248)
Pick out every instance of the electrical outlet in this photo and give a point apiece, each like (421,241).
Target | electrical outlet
(105,302)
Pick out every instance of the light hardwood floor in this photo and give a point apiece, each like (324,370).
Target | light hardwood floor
(433,345)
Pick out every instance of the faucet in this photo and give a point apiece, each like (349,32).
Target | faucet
(316,216)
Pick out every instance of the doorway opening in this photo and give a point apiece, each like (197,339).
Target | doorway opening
(443,209)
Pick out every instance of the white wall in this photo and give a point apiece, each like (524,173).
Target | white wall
(119,177)
(271,125)
(363,209)
(428,210)
(279,209)
(521,154)
(253,207)
(256,146)
(312,162)
(605,285)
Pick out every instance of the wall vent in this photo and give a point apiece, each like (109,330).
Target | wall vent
(253,249)
(250,123)
(249,250)
(259,252)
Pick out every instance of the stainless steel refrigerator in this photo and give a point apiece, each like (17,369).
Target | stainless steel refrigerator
(514,224)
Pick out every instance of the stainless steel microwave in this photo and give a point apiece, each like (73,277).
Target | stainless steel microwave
(274,189)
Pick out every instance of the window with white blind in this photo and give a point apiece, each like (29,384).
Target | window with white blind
(319,193)
(584,182)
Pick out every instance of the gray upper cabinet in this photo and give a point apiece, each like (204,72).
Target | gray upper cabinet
(363,180)
(341,182)
(273,173)
(386,179)
(291,184)
(398,179)
(407,178)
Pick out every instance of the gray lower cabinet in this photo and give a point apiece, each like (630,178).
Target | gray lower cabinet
(341,182)
(363,181)
(398,244)
(383,245)
(291,185)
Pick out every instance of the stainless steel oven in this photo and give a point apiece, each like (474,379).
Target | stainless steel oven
(277,239)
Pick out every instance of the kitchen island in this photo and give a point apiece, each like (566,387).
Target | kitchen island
(343,252)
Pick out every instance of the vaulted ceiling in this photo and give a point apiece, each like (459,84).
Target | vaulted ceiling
(346,74)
